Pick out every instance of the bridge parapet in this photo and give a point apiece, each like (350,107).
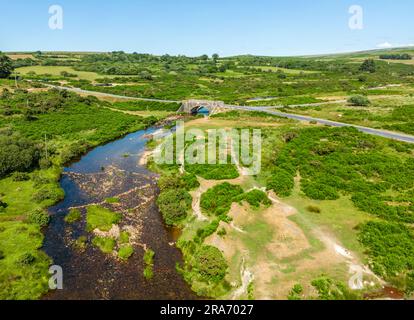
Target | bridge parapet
(193,106)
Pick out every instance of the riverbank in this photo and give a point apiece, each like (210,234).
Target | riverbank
(85,125)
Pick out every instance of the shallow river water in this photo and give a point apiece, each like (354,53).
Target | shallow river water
(113,170)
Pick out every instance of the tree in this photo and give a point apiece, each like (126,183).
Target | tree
(359,100)
(368,66)
(215,57)
(6,66)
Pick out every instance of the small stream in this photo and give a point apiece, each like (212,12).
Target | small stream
(113,170)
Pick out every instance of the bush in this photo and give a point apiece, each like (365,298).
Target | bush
(359,100)
(256,197)
(27,259)
(48,193)
(190,181)
(45,163)
(368,66)
(39,217)
(3,205)
(20,176)
(174,205)
(390,246)
(313,209)
(296,292)
(17,154)
(210,264)
(218,200)
(329,289)
(318,191)
(281,182)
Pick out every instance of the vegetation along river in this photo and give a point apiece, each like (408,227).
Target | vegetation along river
(113,171)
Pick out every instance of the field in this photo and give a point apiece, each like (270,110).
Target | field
(57,72)
(303,227)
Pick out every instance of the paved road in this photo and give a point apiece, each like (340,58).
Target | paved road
(376,132)
(109,95)
(267,109)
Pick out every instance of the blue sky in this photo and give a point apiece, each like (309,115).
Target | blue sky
(194,27)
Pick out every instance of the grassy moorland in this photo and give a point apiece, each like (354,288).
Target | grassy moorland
(324,199)
(351,187)
(240,79)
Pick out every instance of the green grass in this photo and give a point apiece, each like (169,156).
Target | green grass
(125,252)
(73,216)
(106,245)
(149,264)
(24,268)
(112,200)
(81,243)
(56,71)
(124,237)
(101,218)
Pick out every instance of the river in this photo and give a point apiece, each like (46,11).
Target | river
(113,170)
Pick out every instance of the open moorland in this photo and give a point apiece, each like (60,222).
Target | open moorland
(329,216)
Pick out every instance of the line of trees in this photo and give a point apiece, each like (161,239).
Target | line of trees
(403,56)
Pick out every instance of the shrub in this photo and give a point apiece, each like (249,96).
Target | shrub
(190,181)
(27,259)
(313,209)
(210,264)
(3,205)
(39,217)
(48,193)
(318,191)
(296,292)
(20,176)
(256,197)
(17,154)
(172,181)
(174,205)
(207,231)
(45,163)
(218,200)
(329,289)
(359,100)
(368,66)
(281,182)
(390,246)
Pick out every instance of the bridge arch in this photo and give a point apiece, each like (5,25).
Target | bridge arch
(205,106)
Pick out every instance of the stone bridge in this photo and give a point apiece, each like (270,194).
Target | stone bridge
(194,106)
